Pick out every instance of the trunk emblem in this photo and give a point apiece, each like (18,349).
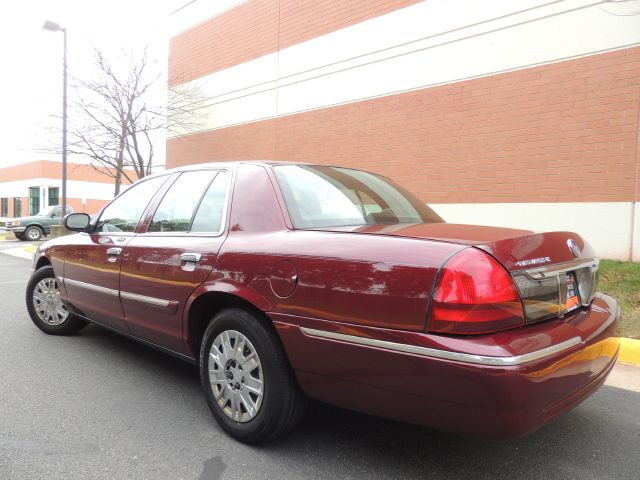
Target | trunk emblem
(532,261)
(573,247)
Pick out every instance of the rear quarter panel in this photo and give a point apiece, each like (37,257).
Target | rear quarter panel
(349,278)
(374,280)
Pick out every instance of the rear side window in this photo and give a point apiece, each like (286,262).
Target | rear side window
(319,196)
(176,210)
(208,218)
(123,213)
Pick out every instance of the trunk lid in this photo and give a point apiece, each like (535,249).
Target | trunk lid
(516,249)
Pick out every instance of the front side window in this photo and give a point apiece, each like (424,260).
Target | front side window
(319,196)
(176,209)
(46,212)
(4,207)
(123,213)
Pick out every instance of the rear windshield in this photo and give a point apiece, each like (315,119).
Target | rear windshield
(318,196)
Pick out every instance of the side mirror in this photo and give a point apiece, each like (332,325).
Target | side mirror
(77,222)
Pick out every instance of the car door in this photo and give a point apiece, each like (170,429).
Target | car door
(175,255)
(92,260)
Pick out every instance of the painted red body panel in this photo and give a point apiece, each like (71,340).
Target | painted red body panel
(91,264)
(151,266)
(373,282)
(444,394)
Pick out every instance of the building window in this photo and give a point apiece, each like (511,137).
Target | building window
(4,207)
(17,207)
(54,196)
(34,200)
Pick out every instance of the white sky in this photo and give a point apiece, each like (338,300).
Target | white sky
(31,59)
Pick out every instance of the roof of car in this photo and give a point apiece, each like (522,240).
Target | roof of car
(235,163)
(229,164)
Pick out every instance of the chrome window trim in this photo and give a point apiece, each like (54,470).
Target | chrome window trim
(225,212)
(111,234)
(90,286)
(444,354)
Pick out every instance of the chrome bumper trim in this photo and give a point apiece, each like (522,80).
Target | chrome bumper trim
(444,354)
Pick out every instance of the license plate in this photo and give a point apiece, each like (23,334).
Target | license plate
(573,298)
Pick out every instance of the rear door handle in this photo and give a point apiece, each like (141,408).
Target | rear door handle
(114,251)
(191,257)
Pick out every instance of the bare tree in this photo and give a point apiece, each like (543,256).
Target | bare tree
(118,114)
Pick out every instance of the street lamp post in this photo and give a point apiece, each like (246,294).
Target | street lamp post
(54,27)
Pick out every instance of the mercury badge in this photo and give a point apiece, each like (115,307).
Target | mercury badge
(573,246)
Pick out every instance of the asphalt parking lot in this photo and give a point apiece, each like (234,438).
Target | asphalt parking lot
(96,405)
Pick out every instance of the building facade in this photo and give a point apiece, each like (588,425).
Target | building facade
(27,188)
(522,114)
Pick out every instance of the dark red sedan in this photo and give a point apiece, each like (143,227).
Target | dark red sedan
(293,281)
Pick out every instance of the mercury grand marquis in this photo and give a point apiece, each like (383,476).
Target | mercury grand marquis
(285,282)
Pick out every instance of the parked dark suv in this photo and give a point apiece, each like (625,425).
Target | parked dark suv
(38,225)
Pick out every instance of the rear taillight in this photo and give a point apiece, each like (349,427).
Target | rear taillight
(474,294)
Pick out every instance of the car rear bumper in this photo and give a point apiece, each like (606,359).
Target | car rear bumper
(467,385)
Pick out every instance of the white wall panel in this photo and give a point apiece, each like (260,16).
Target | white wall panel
(426,44)
(605,225)
(75,188)
(188,13)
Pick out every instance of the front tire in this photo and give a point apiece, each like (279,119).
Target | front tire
(45,306)
(33,233)
(248,384)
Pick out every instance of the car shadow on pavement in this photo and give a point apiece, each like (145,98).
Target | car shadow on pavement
(331,439)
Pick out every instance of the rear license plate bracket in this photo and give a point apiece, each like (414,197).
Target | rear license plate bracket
(573,296)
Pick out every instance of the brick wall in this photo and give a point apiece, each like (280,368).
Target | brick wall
(250,31)
(560,132)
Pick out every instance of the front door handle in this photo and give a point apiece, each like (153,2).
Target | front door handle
(114,251)
(191,257)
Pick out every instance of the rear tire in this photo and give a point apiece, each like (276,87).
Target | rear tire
(252,392)
(45,307)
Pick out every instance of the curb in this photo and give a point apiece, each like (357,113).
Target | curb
(629,351)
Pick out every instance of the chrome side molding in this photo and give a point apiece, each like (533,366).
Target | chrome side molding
(152,301)
(156,302)
(90,286)
(444,354)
